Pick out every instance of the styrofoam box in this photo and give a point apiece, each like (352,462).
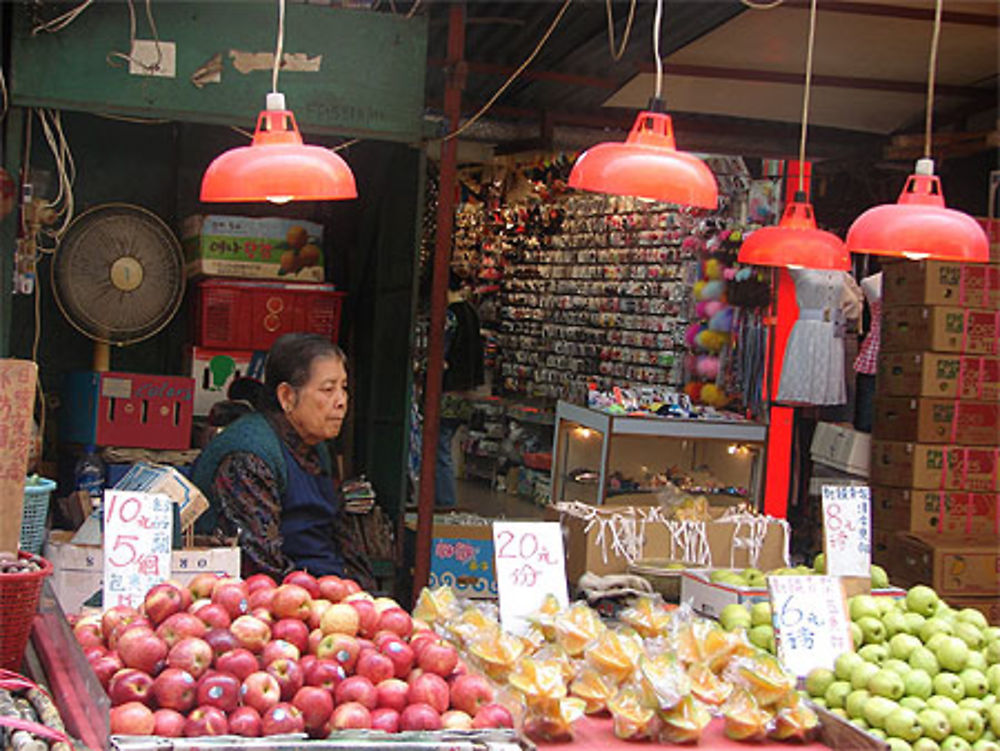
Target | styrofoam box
(842,448)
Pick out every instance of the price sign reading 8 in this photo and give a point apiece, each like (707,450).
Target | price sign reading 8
(847,529)
(137,534)
(529,566)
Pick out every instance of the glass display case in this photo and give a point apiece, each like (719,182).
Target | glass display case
(598,456)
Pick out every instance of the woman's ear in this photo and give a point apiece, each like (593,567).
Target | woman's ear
(286,397)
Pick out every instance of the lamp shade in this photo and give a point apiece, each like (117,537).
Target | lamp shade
(796,242)
(919,225)
(648,165)
(277,167)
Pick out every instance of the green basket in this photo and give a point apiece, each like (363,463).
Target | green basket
(37,492)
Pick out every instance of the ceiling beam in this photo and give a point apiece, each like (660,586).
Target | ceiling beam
(897,11)
(495,69)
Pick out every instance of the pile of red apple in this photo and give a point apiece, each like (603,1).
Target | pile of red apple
(228,656)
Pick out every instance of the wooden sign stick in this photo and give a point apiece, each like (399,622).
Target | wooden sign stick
(17,400)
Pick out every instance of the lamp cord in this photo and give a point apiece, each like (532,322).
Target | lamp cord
(279,48)
(617,55)
(805,95)
(656,48)
(931,74)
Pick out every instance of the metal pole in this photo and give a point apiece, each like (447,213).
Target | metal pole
(439,283)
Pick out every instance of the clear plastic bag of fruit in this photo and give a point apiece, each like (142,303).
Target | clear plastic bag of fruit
(615,654)
(545,617)
(552,719)
(649,616)
(576,627)
(471,623)
(684,722)
(594,688)
(437,606)
(663,677)
(762,675)
(495,652)
(633,712)
(538,680)
(793,719)
(744,718)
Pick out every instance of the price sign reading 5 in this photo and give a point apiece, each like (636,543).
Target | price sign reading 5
(529,565)
(137,535)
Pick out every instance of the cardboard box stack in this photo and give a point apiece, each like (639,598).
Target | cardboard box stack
(936,430)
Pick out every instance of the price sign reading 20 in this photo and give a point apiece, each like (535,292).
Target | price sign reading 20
(137,536)
(530,564)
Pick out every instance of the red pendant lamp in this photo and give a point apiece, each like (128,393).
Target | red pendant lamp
(796,242)
(277,166)
(648,165)
(919,225)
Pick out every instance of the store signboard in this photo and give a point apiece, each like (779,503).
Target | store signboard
(811,622)
(847,529)
(138,528)
(530,564)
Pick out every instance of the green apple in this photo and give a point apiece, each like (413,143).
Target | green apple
(902,645)
(861,606)
(950,685)
(921,599)
(877,733)
(844,665)
(840,712)
(934,625)
(926,744)
(818,681)
(862,674)
(966,724)
(836,694)
(887,605)
(975,704)
(993,676)
(913,622)
(819,563)
(991,633)
(859,722)
(970,634)
(977,660)
(975,682)
(934,723)
(989,735)
(993,716)
(984,744)
(936,640)
(942,704)
(922,658)
(763,637)
(819,701)
(872,629)
(734,616)
(894,622)
(992,651)
(955,743)
(760,614)
(918,683)
(952,654)
(886,683)
(875,653)
(880,579)
(877,709)
(897,666)
(903,723)
(913,702)
(973,616)
(755,577)
(855,703)
(898,744)
(857,635)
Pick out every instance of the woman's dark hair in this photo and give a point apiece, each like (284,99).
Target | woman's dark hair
(290,361)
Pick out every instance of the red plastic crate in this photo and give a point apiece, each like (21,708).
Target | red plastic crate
(234,314)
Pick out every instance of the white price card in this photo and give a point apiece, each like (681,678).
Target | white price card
(529,563)
(847,529)
(138,528)
(811,624)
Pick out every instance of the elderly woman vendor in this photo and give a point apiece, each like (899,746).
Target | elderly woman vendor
(269,476)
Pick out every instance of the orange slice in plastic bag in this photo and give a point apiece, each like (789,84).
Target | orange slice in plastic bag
(576,627)
(552,719)
(649,617)
(706,685)
(545,617)
(538,680)
(745,720)
(794,720)
(555,653)
(594,688)
(436,605)
(664,678)
(634,719)
(614,655)
(497,653)
(684,722)
(763,676)
(472,624)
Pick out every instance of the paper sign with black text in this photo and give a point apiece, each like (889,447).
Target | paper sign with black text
(138,528)
(847,529)
(529,564)
(811,622)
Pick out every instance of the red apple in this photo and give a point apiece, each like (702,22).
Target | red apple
(251,633)
(421,639)
(326,674)
(260,690)
(162,601)
(340,618)
(291,601)
(332,588)
(221,640)
(181,625)
(132,718)
(306,660)
(88,633)
(186,598)
(174,688)
(316,611)
(430,688)
(213,615)
(358,689)
(402,657)
(414,674)
(340,647)
(289,676)
(106,666)
(456,719)
(191,654)
(385,719)
(263,614)
(392,693)
(374,666)
(351,716)
(367,617)
(292,630)
(352,587)
(279,649)
(238,662)
(141,648)
(122,628)
(94,651)
(281,718)
(315,637)
(245,721)
(420,716)
(438,658)
(470,692)
(115,616)
(220,690)
(493,716)
(259,581)
(396,620)
(260,598)
(232,596)
(316,705)
(168,723)
(130,685)
(303,579)
(206,720)
(383,637)
(202,584)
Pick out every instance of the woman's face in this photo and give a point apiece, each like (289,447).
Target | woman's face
(316,410)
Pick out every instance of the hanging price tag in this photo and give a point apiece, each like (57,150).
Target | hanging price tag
(529,564)
(847,529)
(811,623)
(138,528)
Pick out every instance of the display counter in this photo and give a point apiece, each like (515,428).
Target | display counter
(598,456)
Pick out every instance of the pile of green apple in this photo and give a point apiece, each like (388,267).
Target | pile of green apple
(924,676)
(754,578)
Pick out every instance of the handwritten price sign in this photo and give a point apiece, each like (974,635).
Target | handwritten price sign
(138,528)
(847,529)
(529,564)
(811,624)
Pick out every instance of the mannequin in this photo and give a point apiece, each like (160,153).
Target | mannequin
(866,362)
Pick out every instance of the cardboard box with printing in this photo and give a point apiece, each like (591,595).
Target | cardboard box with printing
(901,418)
(935,467)
(951,564)
(939,375)
(950,512)
(940,329)
(972,285)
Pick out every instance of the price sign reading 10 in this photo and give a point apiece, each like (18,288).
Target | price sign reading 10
(529,564)
(137,535)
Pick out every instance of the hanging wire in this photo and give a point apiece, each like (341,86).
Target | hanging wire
(616,56)
(61,22)
(111,57)
(806,94)
(762,6)
(279,49)
(413,8)
(931,75)
(657,19)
